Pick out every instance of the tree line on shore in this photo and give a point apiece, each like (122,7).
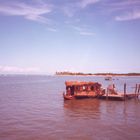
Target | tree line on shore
(97,74)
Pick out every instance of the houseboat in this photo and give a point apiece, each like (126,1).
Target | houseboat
(79,90)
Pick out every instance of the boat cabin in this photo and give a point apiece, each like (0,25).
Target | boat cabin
(82,89)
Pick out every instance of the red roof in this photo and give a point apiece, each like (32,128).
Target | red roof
(79,83)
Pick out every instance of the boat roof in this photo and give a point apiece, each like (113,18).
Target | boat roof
(79,83)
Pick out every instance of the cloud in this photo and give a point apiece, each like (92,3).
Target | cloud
(86,33)
(14,69)
(85,3)
(120,5)
(71,8)
(128,16)
(115,8)
(83,31)
(33,12)
(123,10)
(51,29)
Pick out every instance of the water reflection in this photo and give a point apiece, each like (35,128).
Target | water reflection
(106,112)
(85,109)
(99,119)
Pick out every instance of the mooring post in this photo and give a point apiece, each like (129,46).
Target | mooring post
(124,91)
(107,94)
(136,87)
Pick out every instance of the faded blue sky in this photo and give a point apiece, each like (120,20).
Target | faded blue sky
(45,36)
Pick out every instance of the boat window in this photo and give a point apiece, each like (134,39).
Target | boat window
(84,88)
(68,88)
(88,88)
(72,90)
(77,88)
(92,88)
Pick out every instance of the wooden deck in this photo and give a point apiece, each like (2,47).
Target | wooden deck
(119,96)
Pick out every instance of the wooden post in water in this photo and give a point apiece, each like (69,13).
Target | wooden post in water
(138,90)
(107,94)
(124,91)
(136,87)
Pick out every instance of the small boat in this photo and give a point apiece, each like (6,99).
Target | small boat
(108,78)
(80,90)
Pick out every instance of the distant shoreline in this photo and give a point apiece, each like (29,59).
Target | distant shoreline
(96,74)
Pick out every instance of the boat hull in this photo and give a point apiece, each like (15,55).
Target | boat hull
(85,96)
(67,97)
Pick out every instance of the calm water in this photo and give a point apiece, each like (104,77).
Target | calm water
(32,108)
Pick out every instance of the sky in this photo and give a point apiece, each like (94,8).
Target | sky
(89,36)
